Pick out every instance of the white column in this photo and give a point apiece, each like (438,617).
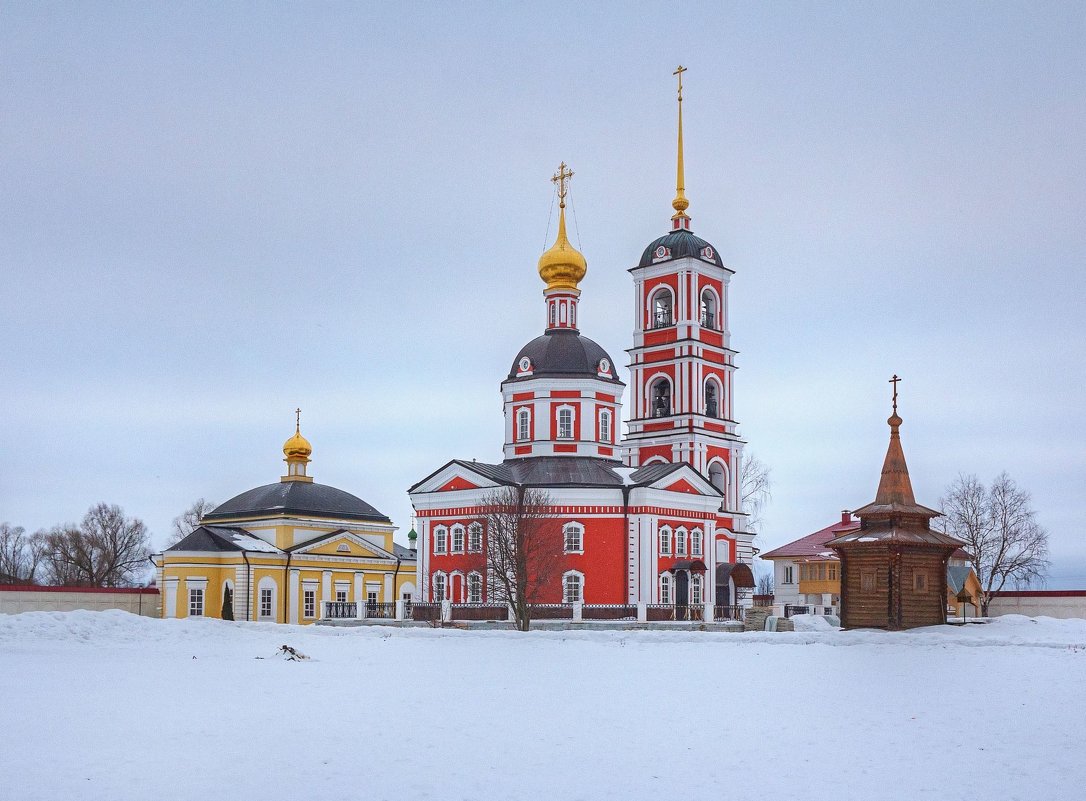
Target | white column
(293,595)
(326,586)
(390,593)
(578,612)
(359,581)
(170,603)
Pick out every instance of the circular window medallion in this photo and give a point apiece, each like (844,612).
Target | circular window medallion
(605,366)
(525,364)
(707,252)
(661,252)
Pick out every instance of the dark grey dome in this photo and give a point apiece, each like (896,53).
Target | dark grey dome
(297,497)
(563,352)
(680,244)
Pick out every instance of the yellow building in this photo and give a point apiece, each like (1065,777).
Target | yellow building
(290,552)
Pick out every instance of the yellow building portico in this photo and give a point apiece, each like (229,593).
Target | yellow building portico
(290,552)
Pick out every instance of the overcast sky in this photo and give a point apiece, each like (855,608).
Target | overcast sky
(213,213)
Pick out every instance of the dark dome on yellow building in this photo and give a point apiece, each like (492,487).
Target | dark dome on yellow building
(296,498)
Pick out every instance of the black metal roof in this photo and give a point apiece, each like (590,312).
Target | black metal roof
(297,497)
(563,471)
(217,539)
(564,353)
(680,243)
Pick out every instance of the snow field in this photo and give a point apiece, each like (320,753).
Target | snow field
(106,705)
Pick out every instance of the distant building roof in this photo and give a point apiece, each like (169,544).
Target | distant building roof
(813,546)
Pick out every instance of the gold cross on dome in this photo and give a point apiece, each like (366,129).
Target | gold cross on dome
(680,72)
(561,178)
(894,381)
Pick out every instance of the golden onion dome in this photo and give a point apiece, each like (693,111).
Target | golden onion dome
(562,266)
(297,446)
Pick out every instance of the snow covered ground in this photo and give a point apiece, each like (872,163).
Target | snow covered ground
(106,705)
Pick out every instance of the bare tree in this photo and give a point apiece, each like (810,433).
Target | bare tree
(765,583)
(755,489)
(1000,530)
(20,554)
(107,549)
(189,520)
(523,548)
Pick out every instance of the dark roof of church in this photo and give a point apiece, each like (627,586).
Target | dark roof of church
(220,539)
(564,353)
(297,497)
(680,243)
(566,471)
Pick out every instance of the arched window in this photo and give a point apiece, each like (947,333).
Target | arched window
(554,313)
(708,309)
(660,396)
(661,309)
(695,542)
(441,540)
(665,541)
(573,538)
(695,589)
(266,598)
(680,542)
(524,419)
(475,588)
(605,425)
(712,404)
(565,422)
(440,586)
(573,587)
(458,538)
(665,589)
(475,538)
(717,478)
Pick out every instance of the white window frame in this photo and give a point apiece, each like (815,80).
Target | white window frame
(266,584)
(667,595)
(605,425)
(657,293)
(196,601)
(665,540)
(524,424)
(475,587)
(696,596)
(680,541)
(572,421)
(696,541)
(475,538)
(579,576)
(457,538)
(789,575)
(441,539)
(437,597)
(309,602)
(569,528)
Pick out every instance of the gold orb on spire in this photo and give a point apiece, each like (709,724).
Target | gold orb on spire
(562,266)
(297,447)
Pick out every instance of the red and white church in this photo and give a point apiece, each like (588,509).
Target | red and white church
(654,518)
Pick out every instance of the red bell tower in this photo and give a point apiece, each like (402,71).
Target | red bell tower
(682,364)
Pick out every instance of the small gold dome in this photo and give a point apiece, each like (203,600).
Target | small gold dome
(563,266)
(297,446)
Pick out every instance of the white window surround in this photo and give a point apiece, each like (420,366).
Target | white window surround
(524,423)
(573,537)
(475,587)
(665,541)
(567,421)
(440,586)
(309,602)
(695,590)
(475,538)
(680,542)
(458,538)
(452,587)
(196,601)
(788,575)
(572,587)
(605,425)
(441,540)
(266,599)
(666,596)
(695,542)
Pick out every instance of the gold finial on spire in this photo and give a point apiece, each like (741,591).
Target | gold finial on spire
(296,452)
(680,203)
(562,266)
